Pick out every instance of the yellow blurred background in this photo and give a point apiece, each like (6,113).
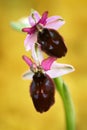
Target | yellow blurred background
(16,108)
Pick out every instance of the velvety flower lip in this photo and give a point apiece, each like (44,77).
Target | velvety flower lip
(53,22)
(47,65)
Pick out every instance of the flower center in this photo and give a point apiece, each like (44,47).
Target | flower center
(39,27)
(36,68)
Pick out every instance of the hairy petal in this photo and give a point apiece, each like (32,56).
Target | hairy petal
(29,41)
(28,75)
(34,18)
(54,22)
(58,69)
(47,63)
(27,60)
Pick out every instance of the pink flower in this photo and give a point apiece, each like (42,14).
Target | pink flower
(35,21)
(42,87)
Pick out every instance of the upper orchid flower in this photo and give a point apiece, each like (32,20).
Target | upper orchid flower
(43,30)
(42,71)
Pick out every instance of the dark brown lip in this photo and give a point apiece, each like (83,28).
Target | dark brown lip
(52,43)
(42,92)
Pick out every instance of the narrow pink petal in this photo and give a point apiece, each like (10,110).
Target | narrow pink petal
(30,30)
(28,75)
(43,18)
(25,30)
(47,63)
(59,70)
(27,60)
(54,22)
(34,18)
(29,41)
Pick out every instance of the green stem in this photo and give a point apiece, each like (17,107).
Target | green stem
(68,104)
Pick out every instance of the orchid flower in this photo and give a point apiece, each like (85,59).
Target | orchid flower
(42,88)
(38,22)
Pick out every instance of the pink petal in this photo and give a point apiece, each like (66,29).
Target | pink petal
(34,18)
(27,60)
(47,63)
(59,70)
(29,30)
(29,41)
(54,22)
(43,18)
(28,75)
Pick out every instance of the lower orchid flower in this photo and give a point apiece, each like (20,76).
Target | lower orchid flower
(42,88)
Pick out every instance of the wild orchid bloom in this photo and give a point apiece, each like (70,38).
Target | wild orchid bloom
(42,88)
(43,31)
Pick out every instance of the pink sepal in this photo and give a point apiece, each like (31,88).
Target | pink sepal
(54,22)
(27,60)
(46,64)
